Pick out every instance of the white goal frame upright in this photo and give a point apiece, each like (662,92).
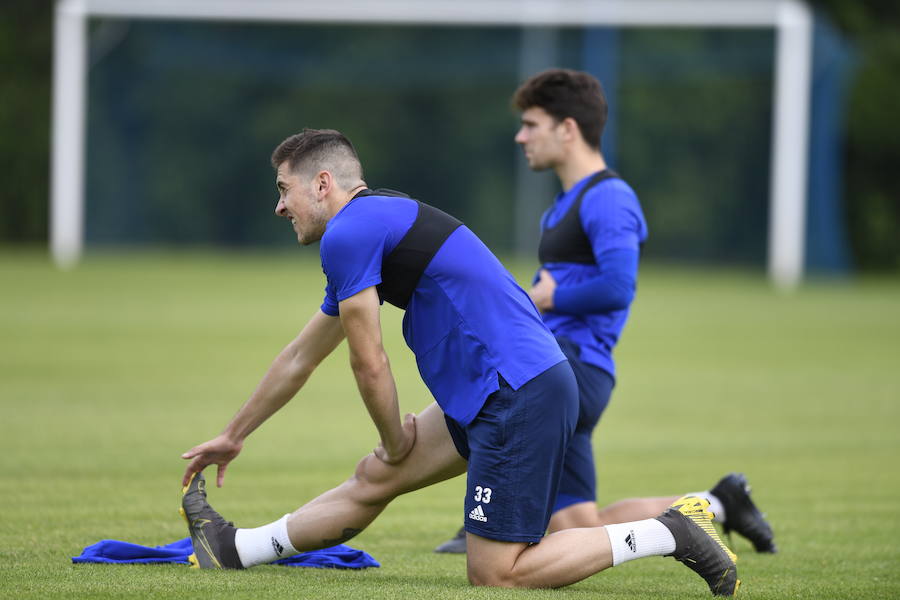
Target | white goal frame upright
(791,19)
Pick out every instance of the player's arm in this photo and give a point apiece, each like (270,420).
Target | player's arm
(289,371)
(612,289)
(360,316)
(613,227)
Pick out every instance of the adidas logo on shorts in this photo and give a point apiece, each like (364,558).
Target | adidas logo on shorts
(477,514)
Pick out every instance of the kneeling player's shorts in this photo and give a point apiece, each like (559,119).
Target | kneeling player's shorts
(579,478)
(515,448)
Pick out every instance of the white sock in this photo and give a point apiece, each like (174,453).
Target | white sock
(715,505)
(264,544)
(639,539)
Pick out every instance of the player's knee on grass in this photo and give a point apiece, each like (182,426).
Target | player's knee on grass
(490,576)
(483,575)
(490,563)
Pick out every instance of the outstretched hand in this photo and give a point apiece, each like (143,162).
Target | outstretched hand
(220,451)
(402,449)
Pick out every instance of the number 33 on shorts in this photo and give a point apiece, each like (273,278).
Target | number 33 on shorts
(482,494)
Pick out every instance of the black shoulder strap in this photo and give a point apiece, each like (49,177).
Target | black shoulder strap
(403,267)
(379,192)
(601,176)
(597,178)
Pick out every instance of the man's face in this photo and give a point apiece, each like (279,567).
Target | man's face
(300,204)
(541,137)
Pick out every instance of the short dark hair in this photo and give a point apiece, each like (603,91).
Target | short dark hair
(313,149)
(566,93)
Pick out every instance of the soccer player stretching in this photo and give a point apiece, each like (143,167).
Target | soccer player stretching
(507,401)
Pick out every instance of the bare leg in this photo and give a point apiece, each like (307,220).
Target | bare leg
(560,559)
(343,512)
(586,514)
(582,514)
(634,509)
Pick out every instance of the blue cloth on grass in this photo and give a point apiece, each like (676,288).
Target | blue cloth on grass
(114,551)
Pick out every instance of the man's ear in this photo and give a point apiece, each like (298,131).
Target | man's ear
(570,127)
(324,183)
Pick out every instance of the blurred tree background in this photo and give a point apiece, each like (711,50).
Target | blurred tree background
(873,129)
(182,118)
(26,45)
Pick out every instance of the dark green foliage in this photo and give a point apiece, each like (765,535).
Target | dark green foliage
(25,51)
(183,117)
(191,164)
(707,199)
(873,133)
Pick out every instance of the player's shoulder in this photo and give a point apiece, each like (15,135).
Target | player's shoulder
(384,209)
(609,194)
(347,225)
(614,187)
(368,219)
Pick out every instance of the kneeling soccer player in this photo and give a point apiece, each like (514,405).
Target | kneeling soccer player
(507,401)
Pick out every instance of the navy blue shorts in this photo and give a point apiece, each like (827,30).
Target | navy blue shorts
(579,478)
(515,448)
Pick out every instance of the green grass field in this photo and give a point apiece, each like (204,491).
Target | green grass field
(109,372)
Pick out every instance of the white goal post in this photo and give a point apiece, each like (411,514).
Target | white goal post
(791,19)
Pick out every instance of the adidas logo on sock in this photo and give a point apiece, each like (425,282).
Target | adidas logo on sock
(632,544)
(477,514)
(277,546)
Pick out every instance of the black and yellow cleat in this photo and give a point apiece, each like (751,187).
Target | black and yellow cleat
(211,535)
(741,514)
(698,546)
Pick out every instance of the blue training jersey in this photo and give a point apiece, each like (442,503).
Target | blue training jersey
(612,219)
(467,320)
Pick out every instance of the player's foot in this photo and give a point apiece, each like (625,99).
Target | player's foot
(697,545)
(211,535)
(741,514)
(455,545)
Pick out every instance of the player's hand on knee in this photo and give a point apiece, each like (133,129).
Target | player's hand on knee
(402,447)
(220,451)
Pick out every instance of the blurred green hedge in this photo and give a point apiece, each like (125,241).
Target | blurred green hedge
(480,162)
